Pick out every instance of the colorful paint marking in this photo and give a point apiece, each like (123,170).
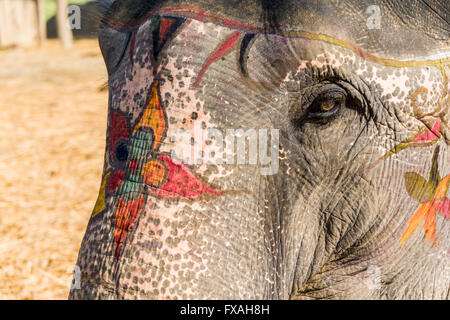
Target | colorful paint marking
(426,137)
(177,16)
(243,52)
(222,50)
(139,170)
(163,28)
(432,195)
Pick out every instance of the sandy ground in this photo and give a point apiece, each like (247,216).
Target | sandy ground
(52,139)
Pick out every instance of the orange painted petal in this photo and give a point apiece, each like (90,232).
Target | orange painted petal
(153,116)
(430,223)
(154,172)
(442,189)
(414,222)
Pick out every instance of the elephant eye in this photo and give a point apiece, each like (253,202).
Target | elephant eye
(327,105)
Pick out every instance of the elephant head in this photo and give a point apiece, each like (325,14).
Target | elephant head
(273,150)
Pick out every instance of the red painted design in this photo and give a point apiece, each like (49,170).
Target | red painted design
(126,214)
(115,180)
(225,48)
(164,27)
(133,164)
(187,11)
(424,137)
(159,174)
(181,182)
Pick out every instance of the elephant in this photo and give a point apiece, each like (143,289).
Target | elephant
(284,149)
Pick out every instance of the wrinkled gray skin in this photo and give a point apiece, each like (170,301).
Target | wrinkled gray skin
(321,224)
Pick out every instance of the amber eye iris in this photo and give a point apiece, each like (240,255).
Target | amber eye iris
(328,105)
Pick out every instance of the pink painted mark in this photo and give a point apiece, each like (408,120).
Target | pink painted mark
(225,48)
(181,182)
(444,208)
(429,135)
(133,164)
(201,15)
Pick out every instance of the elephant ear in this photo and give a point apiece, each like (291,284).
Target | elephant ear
(418,188)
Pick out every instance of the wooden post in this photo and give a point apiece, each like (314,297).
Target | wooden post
(18,23)
(42,23)
(64,32)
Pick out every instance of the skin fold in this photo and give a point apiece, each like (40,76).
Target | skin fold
(351,203)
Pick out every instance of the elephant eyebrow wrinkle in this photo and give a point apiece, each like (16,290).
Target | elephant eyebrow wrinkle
(436,13)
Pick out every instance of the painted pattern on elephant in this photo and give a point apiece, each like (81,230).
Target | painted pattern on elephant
(363,127)
(164,26)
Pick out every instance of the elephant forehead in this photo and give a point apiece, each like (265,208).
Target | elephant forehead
(197,50)
(396,29)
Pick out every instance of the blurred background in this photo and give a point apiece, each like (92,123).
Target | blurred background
(53,111)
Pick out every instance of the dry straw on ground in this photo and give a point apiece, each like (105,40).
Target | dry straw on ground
(52,139)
